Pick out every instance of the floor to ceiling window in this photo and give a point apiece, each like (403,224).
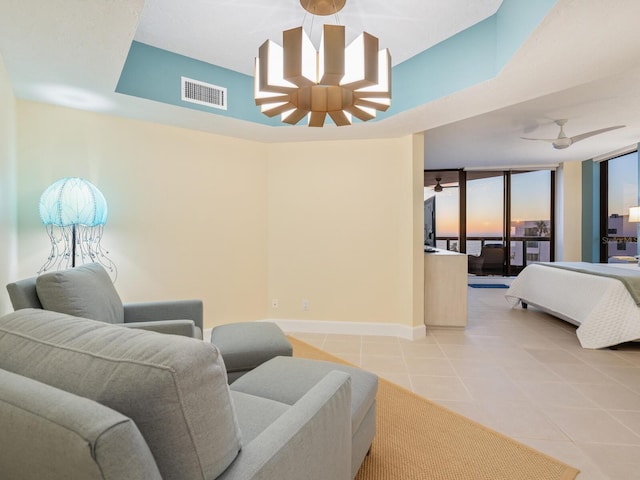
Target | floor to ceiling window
(620,179)
(504,218)
(530,218)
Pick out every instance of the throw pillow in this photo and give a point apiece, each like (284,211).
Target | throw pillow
(85,291)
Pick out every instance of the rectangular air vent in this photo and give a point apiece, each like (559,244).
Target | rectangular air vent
(194,91)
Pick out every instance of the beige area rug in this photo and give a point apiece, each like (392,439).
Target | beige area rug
(418,439)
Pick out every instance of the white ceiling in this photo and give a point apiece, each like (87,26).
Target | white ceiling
(581,63)
(213,26)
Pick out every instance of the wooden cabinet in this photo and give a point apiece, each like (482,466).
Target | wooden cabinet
(445,289)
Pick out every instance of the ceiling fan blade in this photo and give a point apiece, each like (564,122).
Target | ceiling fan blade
(582,136)
(551,140)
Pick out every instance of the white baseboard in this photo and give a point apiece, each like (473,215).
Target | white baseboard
(350,328)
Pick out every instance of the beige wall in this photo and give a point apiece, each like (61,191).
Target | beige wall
(569,222)
(233,222)
(341,232)
(187,209)
(8,234)
(236,223)
(239,223)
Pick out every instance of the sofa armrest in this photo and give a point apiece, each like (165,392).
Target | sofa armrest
(50,433)
(186,328)
(23,294)
(311,440)
(167,310)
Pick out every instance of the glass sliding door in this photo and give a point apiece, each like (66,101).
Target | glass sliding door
(485,210)
(530,228)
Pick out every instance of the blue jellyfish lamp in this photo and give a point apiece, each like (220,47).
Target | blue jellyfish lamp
(74,213)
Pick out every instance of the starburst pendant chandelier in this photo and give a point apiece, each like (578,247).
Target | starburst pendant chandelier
(294,80)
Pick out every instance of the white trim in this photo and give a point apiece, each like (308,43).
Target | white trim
(351,328)
(616,153)
(514,168)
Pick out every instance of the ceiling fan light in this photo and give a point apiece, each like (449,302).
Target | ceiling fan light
(562,143)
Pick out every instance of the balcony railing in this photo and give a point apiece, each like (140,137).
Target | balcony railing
(523,250)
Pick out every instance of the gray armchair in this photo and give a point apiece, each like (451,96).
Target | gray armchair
(490,261)
(87,291)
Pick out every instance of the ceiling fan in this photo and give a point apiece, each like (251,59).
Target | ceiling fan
(438,187)
(562,141)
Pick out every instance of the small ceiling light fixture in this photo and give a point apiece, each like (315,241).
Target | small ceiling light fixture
(294,80)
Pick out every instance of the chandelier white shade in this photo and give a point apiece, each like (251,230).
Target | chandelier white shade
(296,81)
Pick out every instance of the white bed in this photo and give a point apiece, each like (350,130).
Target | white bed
(603,309)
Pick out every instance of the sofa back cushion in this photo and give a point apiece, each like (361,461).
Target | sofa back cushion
(174,388)
(49,433)
(85,291)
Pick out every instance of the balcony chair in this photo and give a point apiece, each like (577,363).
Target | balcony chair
(87,291)
(489,262)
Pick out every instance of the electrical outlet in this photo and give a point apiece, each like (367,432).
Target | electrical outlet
(274,303)
(305,304)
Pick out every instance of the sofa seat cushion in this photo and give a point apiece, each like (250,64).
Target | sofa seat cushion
(287,379)
(85,291)
(174,388)
(53,434)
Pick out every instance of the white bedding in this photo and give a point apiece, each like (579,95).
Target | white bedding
(601,306)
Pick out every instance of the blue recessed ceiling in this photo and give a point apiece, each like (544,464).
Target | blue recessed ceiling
(470,57)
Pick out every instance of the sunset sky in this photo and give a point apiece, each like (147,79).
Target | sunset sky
(623,183)
(530,201)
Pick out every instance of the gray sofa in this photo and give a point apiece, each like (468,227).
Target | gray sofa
(82,399)
(87,291)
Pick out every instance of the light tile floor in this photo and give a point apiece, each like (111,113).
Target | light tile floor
(522,373)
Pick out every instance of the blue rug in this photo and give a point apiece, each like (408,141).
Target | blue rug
(488,285)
